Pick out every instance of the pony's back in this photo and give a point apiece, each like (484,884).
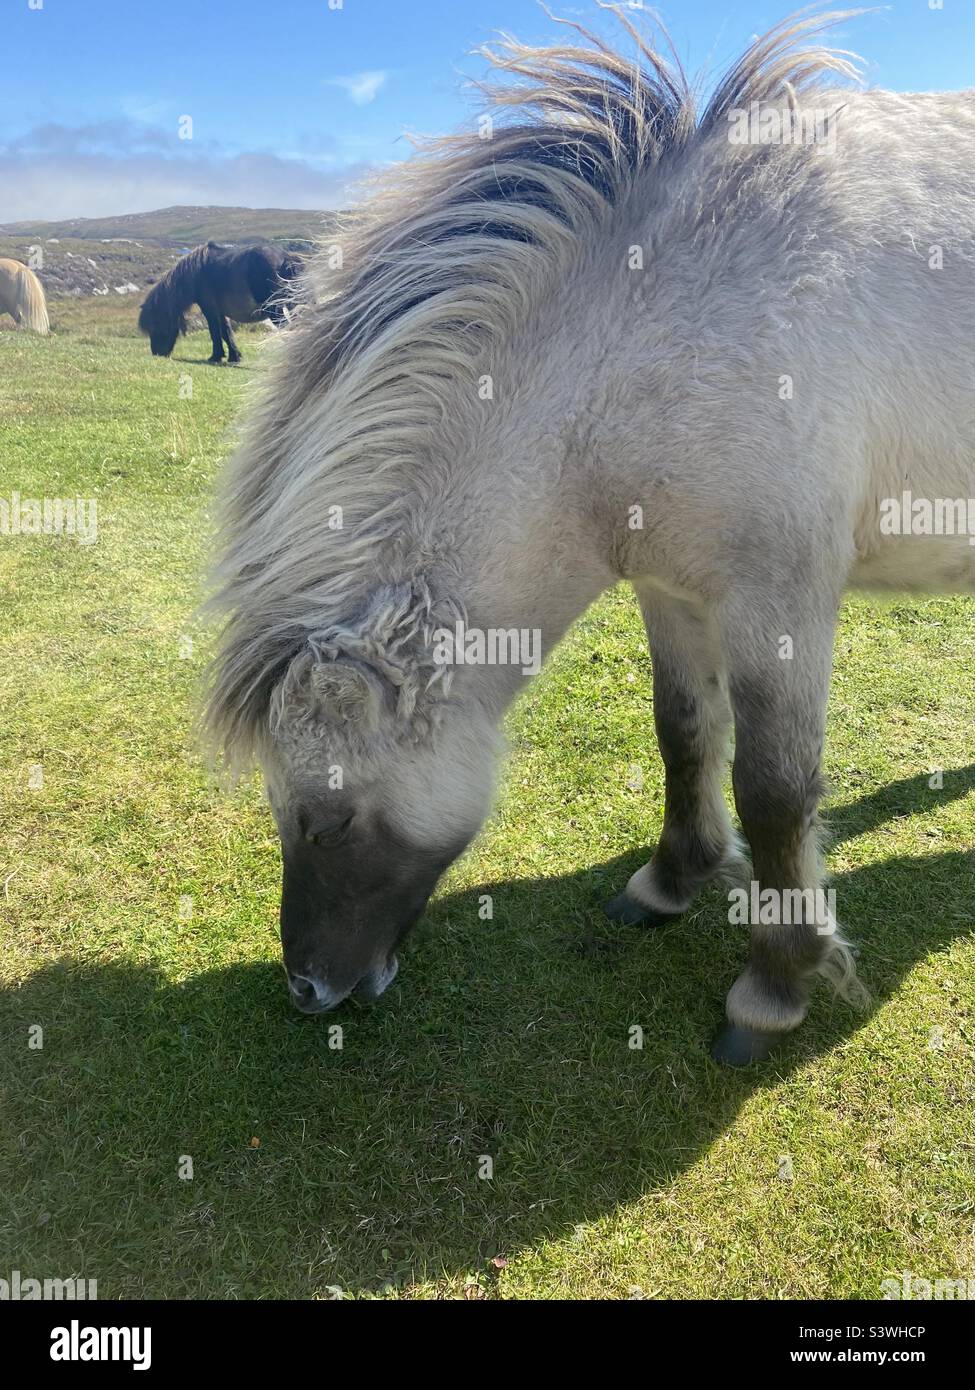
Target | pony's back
(839,269)
(22,295)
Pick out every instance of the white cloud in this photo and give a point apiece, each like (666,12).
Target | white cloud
(137,109)
(360,87)
(99,186)
(53,172)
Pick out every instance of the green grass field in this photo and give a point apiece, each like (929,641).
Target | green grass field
(139,932)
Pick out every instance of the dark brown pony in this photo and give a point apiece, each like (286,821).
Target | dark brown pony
(246,284)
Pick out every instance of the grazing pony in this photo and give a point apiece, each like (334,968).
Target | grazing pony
(617,340)
(22,296)
(244,283)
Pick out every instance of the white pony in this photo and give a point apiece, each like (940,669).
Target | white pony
(22,296)
(721,356)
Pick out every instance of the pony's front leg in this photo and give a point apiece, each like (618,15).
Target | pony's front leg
(228,335)
(692,717)
(779,668)
(216,333)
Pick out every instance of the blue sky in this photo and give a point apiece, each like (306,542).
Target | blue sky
(292,100)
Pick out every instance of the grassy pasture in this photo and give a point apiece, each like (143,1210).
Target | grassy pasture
(138,905)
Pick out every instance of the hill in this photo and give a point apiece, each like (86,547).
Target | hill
(185,226)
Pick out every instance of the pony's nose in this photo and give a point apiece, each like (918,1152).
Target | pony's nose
(313,996)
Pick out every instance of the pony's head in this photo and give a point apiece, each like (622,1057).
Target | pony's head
(280,305)
(161,319)
(379,776)
(291,266)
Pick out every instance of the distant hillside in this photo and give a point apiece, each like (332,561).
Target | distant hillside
(126,254)
(186,226)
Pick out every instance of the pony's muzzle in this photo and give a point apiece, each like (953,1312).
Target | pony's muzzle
(313,995)
(374,982)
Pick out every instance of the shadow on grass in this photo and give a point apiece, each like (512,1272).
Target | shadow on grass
(507,1038)
(205,362)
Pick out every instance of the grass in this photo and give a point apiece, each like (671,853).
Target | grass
(138,930)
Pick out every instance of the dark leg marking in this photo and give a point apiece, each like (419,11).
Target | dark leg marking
(780,712)
(231,341)
(216,332)
(691,716)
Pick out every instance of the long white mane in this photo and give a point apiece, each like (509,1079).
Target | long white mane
(324,503)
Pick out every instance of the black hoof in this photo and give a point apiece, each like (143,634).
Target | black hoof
(737,1047)
(628,911)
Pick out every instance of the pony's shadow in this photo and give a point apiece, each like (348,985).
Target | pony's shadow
(497,1096)
(205,362)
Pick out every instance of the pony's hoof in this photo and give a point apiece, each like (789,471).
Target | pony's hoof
(737,1047)
(628,911)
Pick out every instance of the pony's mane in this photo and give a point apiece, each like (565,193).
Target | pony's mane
(166,303)
(452,248)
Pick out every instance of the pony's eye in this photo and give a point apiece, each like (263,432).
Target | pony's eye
(332,834)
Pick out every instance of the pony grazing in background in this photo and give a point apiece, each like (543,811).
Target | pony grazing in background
(615,340)
(22,296)
(246,284)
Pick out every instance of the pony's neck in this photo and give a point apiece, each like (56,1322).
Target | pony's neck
(528,564)
(183,293)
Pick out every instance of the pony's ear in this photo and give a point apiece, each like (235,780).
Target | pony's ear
(384,663)
(343,692)
(395,637)
(329,692)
